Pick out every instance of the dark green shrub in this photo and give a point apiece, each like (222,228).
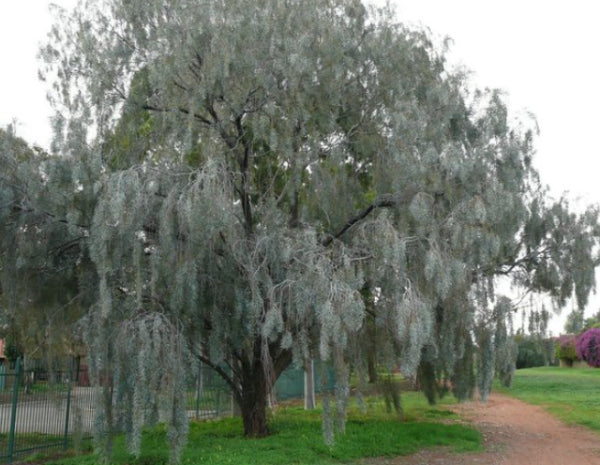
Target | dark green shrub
(534,351)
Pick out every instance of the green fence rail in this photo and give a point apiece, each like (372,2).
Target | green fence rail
(208,395)
(290,384)
(44,410)
(41,414)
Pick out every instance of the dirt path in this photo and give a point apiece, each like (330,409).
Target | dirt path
(514,433)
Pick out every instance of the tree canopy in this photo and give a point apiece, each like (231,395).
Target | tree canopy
(253,183)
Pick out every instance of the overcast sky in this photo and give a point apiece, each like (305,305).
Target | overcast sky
(544,54)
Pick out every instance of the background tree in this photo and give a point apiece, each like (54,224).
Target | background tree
(261,182)
(575,322)
(593,321)
(46,278)
(535,348)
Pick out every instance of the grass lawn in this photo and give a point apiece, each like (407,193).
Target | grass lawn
(297,438)
(572,394)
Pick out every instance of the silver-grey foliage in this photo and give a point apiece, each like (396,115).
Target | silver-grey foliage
(266,181)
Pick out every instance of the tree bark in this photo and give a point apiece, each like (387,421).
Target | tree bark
(254,407)
(254,390)
(372,367)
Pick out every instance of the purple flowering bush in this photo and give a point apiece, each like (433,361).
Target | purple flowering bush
(565,349)
(588,347)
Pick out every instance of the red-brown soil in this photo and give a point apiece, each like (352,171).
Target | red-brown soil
(514,433)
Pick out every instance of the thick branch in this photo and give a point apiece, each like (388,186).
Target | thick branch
(508,267)
(221,372)
(68,245)
(18,209)
(183,110)
(244,163)
(385,201)
(281,360)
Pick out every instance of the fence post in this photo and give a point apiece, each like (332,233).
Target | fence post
(199,389)
(66,438)
(13,412)
(309,385)
(2,378)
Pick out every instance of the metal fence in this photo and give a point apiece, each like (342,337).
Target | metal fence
(208,395)
(40,411)
(290,384)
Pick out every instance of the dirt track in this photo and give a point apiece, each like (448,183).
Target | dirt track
(514,433)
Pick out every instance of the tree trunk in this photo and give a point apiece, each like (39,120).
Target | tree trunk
(370,344)
(254,414)
(372,367)
(255,388)
(252,399)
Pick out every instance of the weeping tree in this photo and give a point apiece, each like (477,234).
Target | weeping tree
(253,183)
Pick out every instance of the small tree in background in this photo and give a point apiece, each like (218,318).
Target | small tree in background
(575,323)
(565,349)
(536,348)
(588,347)
(534,351)
(592,322)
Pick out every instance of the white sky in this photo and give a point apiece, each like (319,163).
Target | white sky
(544,54)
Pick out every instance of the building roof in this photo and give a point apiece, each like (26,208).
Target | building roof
(2,349)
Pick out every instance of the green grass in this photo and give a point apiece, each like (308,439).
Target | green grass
(29,440)
(297,438)
(30,447)
(572,394)
(44,387)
